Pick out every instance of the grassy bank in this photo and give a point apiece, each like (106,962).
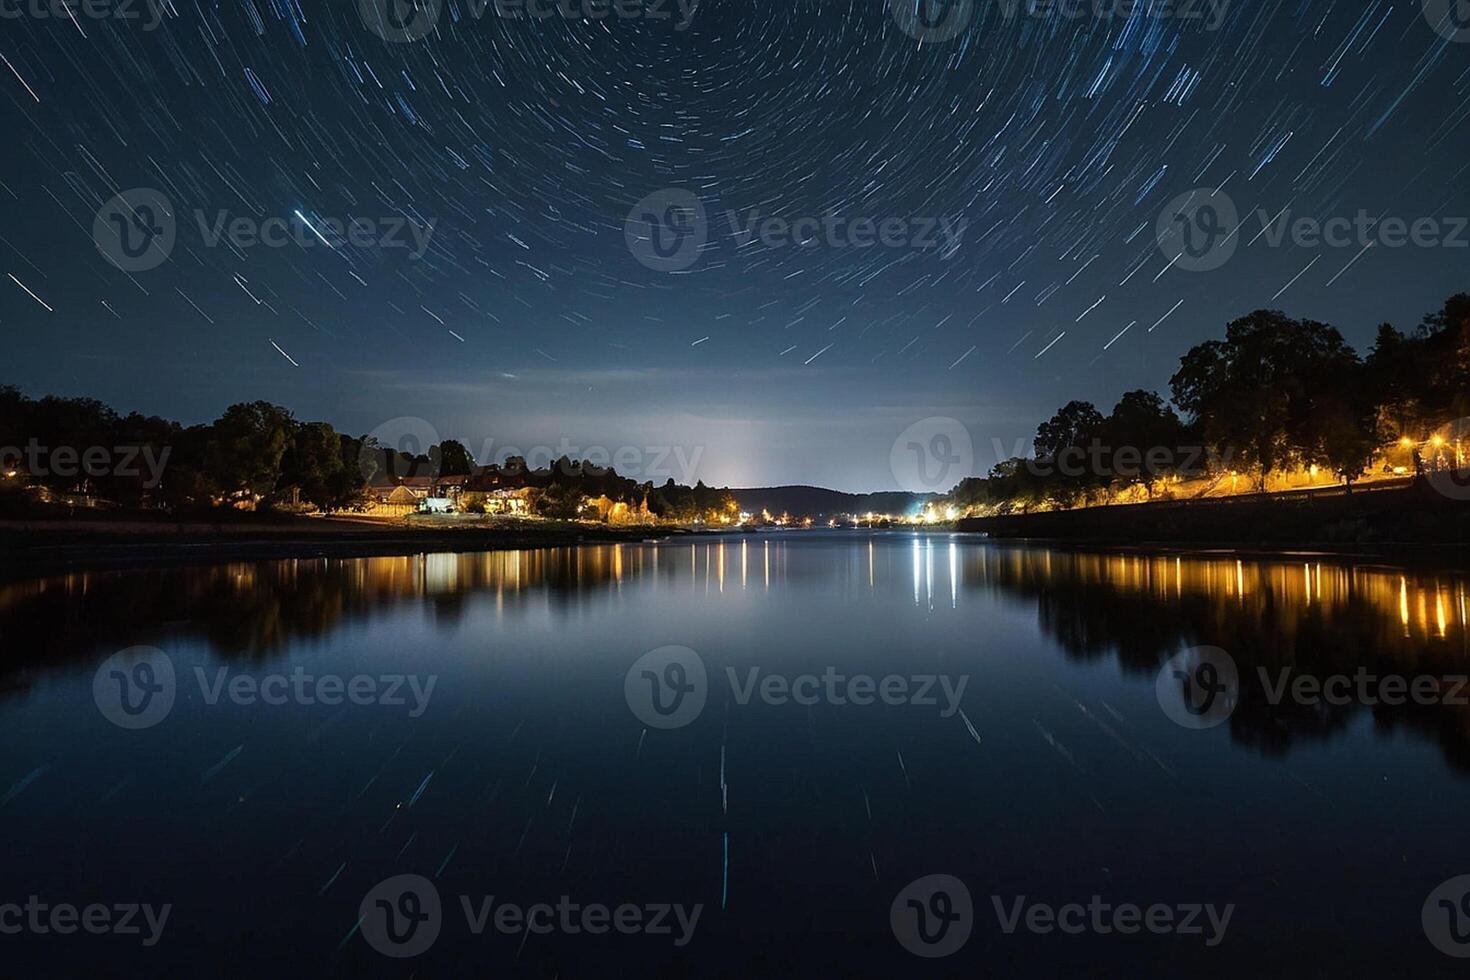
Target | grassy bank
(1416,516)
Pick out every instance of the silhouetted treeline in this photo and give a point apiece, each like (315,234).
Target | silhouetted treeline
(259,454)
(1275,395)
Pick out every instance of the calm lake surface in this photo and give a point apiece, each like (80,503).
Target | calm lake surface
(279,755)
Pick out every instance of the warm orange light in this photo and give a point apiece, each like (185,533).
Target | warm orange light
(1406,442)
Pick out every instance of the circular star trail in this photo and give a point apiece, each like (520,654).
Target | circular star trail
(490,166)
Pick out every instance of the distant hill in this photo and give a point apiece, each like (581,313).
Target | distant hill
(816,502)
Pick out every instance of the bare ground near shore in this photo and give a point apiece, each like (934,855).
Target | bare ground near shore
(54,544)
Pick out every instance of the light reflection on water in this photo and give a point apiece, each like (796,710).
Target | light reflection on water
(529,775)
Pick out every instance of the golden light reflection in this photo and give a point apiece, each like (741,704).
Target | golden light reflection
(1400,612)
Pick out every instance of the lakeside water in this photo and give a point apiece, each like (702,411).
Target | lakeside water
(526,771)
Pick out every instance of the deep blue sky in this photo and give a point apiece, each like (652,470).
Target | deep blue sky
(529,320)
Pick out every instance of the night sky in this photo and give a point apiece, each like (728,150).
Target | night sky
(1057,137)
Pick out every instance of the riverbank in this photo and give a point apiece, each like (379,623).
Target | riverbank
(1413,521)
(86,542)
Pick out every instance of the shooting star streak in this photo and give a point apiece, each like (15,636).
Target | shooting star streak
(312,227)
(1080,271)
(1352,263)
(18,78)
(962,357)
(29,293)
(1166,268)
(1166,315)
(1050,345)
(1091,308)
(1120,333)
(818,354)
(283,353)
(1295,278)
(74,20)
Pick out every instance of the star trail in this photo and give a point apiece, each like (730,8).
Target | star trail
(371,210)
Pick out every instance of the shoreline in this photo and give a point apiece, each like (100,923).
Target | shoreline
(30,548)
(35,548)
(1415,524)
